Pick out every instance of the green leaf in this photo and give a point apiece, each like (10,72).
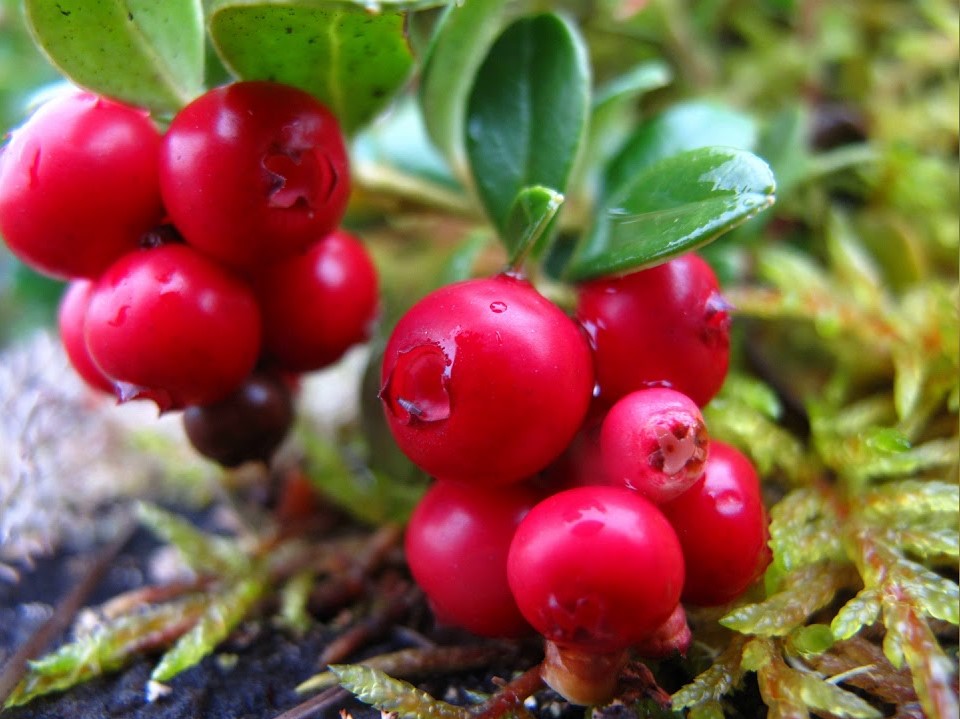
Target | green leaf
(685,126)
(223,613)
(529,220)
(352,60)
(714,683)
(391,695)
(461,41)
(672,207)
(527,112)
(629,86)
(861,611)
(819,694)
(204,553)
(107,648)
(142,52)
(806,591)
(812,639)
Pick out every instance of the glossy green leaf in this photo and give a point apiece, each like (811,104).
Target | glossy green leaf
(632,84)
(685,126)
(530,219)
(672,207)
(527,112)
(143,52)
(352,60)
(460,43)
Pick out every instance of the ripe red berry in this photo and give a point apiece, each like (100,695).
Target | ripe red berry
(70,320)
(457,543)
(78,184)
(655,442)
(246,425)
(171,325)
(667,326)
(254,172)
(318,304)
(722,526)
(485,380)
(597,568)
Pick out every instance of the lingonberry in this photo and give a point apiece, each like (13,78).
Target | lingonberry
(78,184)
(317,304)
(485,380)
(595,570)
(171,325)
(457,543)
(655,442)
(667,326)
(246,425)
(70,320)
(254,172)
(722,526)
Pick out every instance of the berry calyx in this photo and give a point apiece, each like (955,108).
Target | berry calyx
(722,526)
(667,326)
(71,316)
(78,185)
(319,303)
(254,172)
(168,324)
(485,380)
(457,543)
(247,425)
(655,442)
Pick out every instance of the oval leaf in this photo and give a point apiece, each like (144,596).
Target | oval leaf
(685,126)
(142,52)
(351,60)
(464,35)
(674,206)
(527,112)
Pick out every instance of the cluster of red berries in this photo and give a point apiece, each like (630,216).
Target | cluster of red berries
(206,263)
(577,492)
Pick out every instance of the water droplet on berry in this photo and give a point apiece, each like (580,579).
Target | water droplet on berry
(417,388)
(498,307)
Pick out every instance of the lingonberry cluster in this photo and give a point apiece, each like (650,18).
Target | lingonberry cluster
(205,262)
(577,490)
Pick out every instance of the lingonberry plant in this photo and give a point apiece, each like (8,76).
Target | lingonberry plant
(530,212)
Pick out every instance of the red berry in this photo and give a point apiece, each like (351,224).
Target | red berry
(171,325)
(317,304)
(70,320)
(78,185)
(457,543)
(667,326)
(655,442)
(595,568)
(722,526)
(485,380)
(254,172)
(246,425)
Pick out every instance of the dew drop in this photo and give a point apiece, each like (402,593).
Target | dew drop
(498,307)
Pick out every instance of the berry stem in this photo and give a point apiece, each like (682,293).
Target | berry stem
(582,677)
